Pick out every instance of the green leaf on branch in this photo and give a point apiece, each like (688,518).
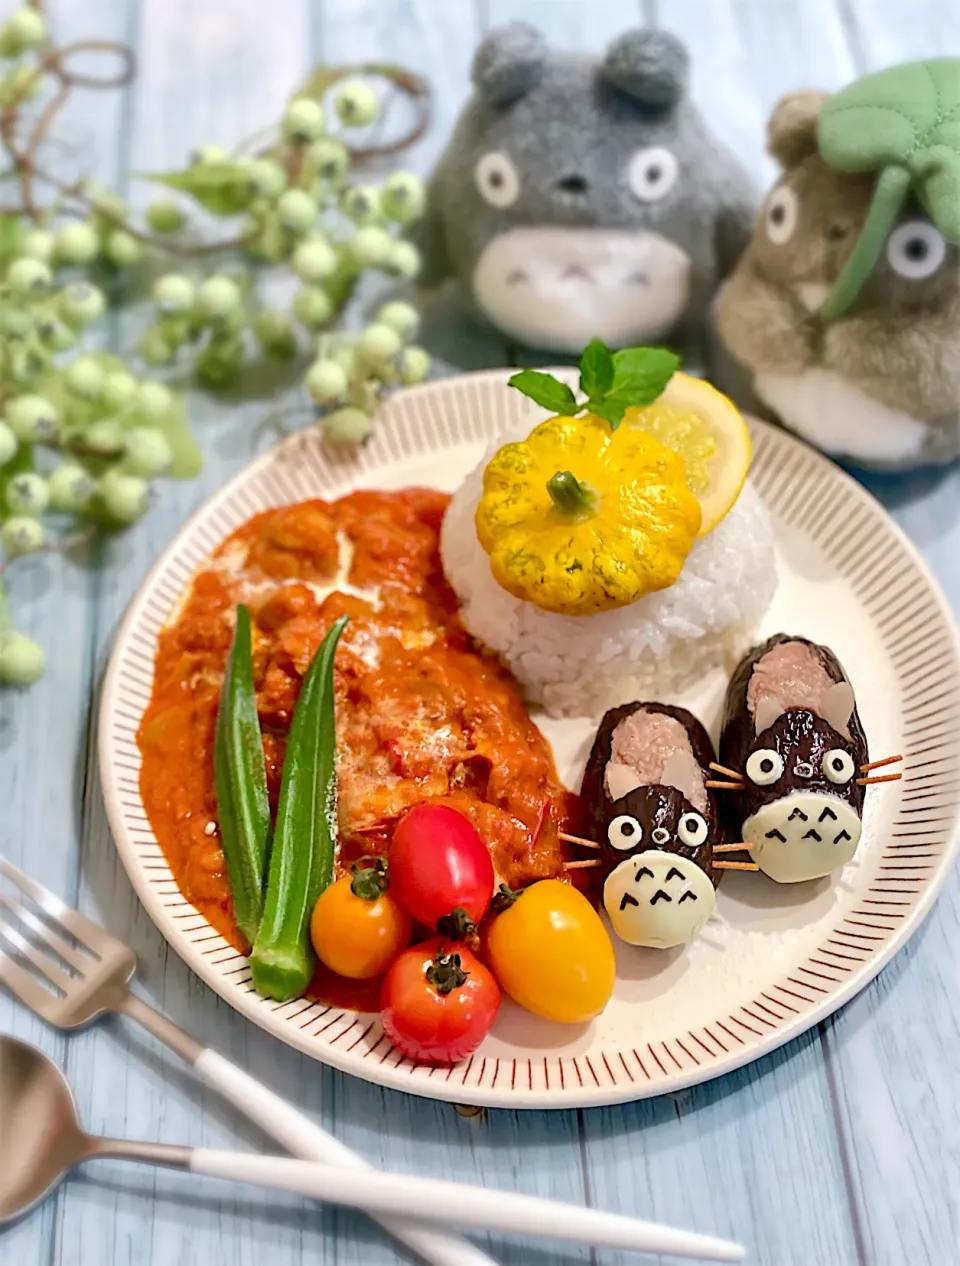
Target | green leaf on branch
(612,382)
(187,454)
(640,374)
(11,235)
(220,188)
(596,369)
(612,408)
(545,390)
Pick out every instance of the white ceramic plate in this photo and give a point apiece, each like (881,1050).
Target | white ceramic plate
(777,958)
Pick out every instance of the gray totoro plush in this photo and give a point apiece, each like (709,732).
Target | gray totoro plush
(583,198)
(881,385)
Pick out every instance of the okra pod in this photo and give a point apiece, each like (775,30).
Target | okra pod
(241,781)
(304,838)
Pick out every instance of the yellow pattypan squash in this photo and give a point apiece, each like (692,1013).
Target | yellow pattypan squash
(583,517)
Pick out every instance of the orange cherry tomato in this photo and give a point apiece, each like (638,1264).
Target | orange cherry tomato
(357,927)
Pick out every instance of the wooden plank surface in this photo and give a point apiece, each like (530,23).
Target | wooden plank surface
(206,74)
(673,1151)
(840,1150)
(43,732)
(893,1050)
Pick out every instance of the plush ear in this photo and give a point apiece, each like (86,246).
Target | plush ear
(768,709)
(620,780)
(509,63)
(792,128)
(682,772)
(648,65)
(836,707)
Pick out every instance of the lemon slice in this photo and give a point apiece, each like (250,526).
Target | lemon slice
(709,433)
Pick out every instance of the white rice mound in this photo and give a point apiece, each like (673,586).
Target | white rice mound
(582,665)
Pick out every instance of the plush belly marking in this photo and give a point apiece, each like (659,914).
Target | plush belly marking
(831,412)
(557,288)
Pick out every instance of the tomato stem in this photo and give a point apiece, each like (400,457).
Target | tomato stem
(445,973)
(504,898)
(370,878)
(457,925)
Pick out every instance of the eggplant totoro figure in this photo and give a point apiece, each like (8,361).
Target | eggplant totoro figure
(655,822)
(795,751)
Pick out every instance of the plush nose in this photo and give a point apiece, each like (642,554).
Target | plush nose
(802,836)
(573,183)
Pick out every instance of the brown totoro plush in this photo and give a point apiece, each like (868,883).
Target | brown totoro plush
(880,382)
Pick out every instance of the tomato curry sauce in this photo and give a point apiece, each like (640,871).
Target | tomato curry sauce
(423,712)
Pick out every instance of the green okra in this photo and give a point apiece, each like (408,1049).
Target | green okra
(304,838)
(243,808)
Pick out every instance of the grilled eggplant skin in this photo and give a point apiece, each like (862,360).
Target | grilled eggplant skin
(796,733)
(657,806)
(592,789)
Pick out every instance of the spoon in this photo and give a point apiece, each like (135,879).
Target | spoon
(41,1140)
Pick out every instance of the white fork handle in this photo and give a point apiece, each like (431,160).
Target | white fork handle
(460,1204)
(301,1137)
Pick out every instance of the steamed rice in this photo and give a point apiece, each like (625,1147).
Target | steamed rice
(581,665)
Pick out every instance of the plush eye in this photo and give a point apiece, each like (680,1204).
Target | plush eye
(660,835)
(692,830)
(838,765)
(781,215)
(652,173)
(497,179)
(916,250)
(624,832)
(764,766)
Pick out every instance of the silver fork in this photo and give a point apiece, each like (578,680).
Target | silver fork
(98,982)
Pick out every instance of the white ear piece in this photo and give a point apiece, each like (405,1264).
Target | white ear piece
(620,780)
(682,772)
(837,705)
(768,709)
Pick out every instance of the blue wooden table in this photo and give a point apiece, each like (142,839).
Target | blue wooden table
(841,1149)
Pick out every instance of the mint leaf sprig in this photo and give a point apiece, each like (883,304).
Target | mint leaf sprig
(612,382)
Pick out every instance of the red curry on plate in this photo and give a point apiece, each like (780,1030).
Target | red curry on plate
(423,712)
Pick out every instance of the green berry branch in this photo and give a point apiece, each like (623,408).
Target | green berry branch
(83,434)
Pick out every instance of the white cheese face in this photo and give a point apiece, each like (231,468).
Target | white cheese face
(802,836)
(658,899)
(557,288)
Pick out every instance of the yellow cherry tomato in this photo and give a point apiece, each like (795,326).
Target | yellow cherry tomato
(551,953)
(357,928)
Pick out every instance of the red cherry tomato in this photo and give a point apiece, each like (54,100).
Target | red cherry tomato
(439,864)
(438,1002)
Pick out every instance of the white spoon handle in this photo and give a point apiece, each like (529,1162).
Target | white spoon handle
(299,1136)
(459,1204)
(295,1132)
